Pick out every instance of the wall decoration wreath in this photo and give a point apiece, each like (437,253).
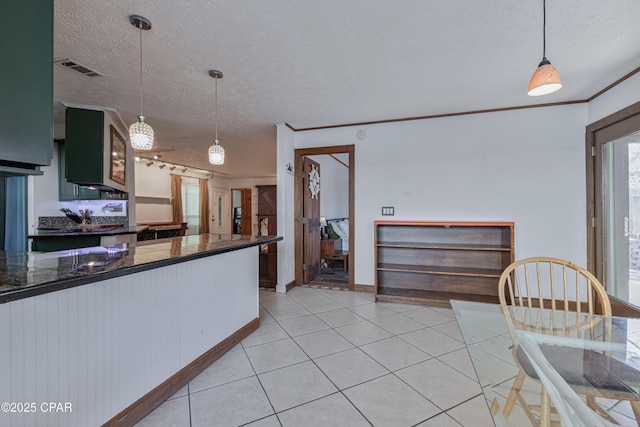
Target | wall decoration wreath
(314,182)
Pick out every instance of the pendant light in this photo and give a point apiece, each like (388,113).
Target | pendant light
(545,79)
(216,152)
(140,133)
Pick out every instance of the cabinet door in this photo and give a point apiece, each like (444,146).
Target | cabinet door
(85,193)
(66,190)
(26,79)
(84,151)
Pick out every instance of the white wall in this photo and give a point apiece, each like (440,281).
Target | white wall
(285,183)
(525,166)
(334,186)
(155,182)
(621,96)
(152,182)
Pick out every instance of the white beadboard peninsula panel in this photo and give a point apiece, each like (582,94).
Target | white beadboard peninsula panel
(232,302)
(102,346)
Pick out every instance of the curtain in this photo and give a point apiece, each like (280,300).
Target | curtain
(176,195)
(204,206)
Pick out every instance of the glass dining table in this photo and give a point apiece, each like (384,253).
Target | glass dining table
(537,365)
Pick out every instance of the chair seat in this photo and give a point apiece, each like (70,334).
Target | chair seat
(586,369)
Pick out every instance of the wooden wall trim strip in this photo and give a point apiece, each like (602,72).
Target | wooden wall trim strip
(290,285)
(147,403)
(363,288)
(339,161)
(464,113)
(437,116)
(614,84)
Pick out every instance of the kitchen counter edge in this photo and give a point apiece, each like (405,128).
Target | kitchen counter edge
(66,283)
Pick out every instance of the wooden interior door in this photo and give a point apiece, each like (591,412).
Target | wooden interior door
(311,219)
(246,211)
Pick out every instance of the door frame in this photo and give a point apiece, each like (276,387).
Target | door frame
(298,207)
(247,214)
(597,134)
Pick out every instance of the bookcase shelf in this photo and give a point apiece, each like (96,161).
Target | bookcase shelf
(433,262)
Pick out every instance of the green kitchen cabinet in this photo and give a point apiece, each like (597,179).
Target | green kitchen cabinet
(95,151)
(84,146)
(68,191)
(26,82)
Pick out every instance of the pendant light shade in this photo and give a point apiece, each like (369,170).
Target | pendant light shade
(140,133)
(216,152)
(545,79)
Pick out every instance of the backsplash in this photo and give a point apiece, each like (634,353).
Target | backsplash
(63,221)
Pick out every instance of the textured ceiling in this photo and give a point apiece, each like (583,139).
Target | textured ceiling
(316,63)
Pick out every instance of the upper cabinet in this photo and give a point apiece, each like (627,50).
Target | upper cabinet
(68,191)
(26,79)
(95,152)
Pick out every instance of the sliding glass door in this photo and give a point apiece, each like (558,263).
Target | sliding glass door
(613,206)
(621,211)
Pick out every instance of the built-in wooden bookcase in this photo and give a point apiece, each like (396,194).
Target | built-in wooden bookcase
(434,262)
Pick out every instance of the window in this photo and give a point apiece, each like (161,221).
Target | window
(191,206)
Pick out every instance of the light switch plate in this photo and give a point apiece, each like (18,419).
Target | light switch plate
(388,210)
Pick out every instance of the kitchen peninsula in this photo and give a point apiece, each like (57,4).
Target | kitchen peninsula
(116,330)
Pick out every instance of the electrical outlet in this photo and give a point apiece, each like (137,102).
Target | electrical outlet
(388,210)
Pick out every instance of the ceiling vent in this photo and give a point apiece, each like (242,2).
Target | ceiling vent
(79,68)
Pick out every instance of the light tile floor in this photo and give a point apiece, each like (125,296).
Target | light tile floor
(335,358)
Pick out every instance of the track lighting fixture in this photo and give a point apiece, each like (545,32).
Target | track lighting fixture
(172,167)
(184,170)
(162,166)
(149,163)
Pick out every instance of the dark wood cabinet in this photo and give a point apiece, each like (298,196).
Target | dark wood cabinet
(26,104)
(329,247)
(268,226)
(434,262)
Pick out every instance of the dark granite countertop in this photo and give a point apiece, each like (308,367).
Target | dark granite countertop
(76,231)
(26,274)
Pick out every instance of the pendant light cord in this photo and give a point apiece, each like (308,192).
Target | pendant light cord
(216,113)
(140,27)
(544,29)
